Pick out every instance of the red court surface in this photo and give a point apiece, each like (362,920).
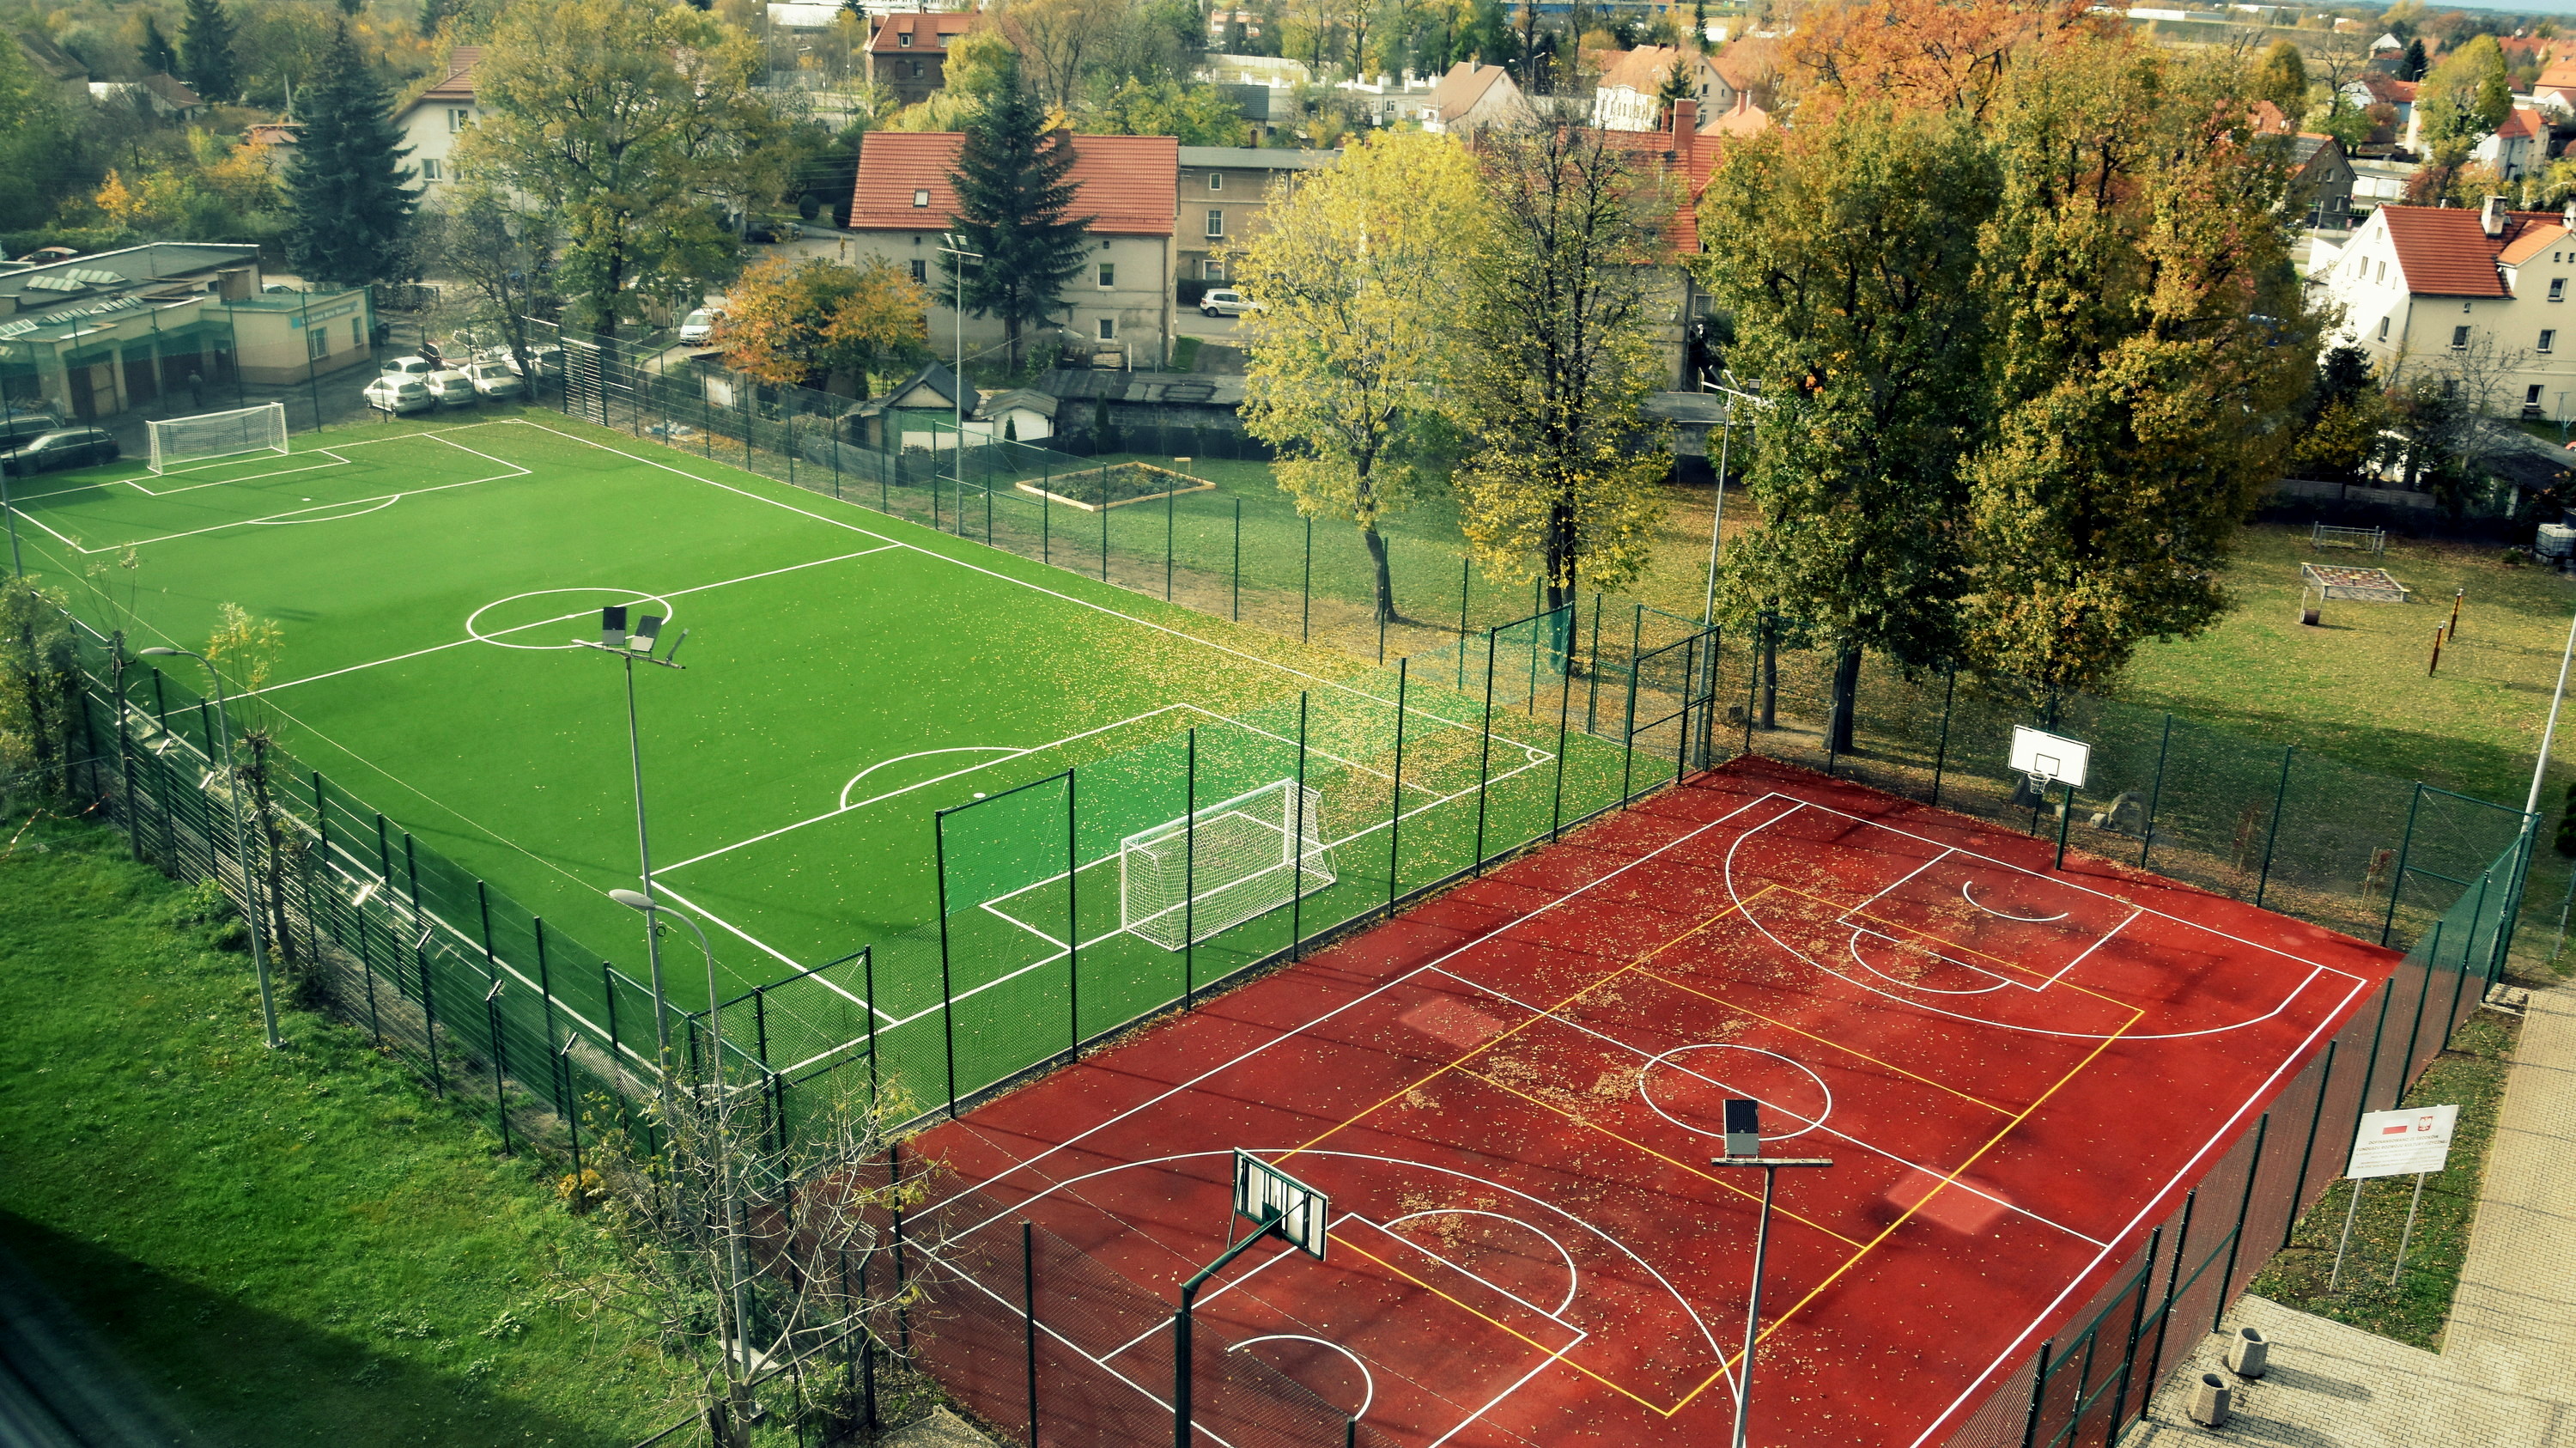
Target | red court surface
(1511,1095)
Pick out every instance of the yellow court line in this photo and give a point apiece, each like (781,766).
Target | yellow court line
(1545,1013)
(1947,1179)
(1554,1354)
(1837,1045)
(1748,1195)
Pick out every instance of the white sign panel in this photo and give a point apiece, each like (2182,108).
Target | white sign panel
(2402,1143)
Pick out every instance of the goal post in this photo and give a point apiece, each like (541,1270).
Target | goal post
(180,441)
(1253,853)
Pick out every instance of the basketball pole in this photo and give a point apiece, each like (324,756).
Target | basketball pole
(1744,1149)
(1181,1375)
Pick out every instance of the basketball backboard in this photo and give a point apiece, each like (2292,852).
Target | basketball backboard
(1271,1197)
(2050,758)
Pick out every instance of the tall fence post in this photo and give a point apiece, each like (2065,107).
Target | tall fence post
(1305,588)
(1564,717)
(2370,1072)
(1395,812)
(1941,752)
(2406,1061)
(947,1001)
(2272,835)
(1072,918)
(1484,747)
(1029,1319)
(1297,886)
(2155,794)
(420,964)
(2038,1396)
(2173,1281)
(2244,1204)
(500,1065)
(2307,1153)
(2405,848)
(1190,872)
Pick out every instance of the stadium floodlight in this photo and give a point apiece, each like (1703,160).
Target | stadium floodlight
(180,441)
(639,901)
(614,639)
(241,840)
(1744,1148)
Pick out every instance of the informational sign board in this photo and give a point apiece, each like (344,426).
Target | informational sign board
(2402,1143)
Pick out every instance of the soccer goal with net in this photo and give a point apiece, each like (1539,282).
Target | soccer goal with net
(1187,879)
(180,441)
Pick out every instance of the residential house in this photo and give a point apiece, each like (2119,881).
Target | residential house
(1017,415)
(1687,154)
(440,116)
(918,412)
(2379,88)
(1222,195)
(2518,147)
(275,142)
(2321,181)
(54,64)
(160,95)
(2480,297)
(102,334)
(1471,97)
(1385,100)
(1629,96)
(1127,185)
(2555,90)
(909,52)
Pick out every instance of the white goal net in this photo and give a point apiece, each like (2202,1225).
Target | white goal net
(179,441)
(1252,854)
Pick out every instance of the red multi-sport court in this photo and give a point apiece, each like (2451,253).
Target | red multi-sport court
(1512,1095)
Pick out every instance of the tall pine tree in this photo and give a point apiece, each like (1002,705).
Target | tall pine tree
(1012,196)
(206,50)
(158,54)
(347,189)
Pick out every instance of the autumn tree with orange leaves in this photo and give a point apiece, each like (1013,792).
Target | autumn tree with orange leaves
(794,324)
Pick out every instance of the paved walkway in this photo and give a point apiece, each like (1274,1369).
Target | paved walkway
(2506,1375)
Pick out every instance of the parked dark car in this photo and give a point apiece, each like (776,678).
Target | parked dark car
(20,426)
(70,447)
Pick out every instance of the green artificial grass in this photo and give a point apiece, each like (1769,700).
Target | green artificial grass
(2470,1074)
(289,1247)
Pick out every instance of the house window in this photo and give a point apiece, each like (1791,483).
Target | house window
(357,331)
(921,198)
(920,269)
(1216,181)
(317,343)
(2459,338)
(1109,329)
(429,168)
(916,70)
(1108,275)
(2548,337)
(2383,270)
(1216,222)
(2383,329)
(2558,289)
(457,119)
(2531,396)
(1212,270)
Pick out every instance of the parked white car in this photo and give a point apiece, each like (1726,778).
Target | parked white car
(391,393)
(1226,302)
(451,388)
(697,326)
(495,379)
(545,359)
(410,367)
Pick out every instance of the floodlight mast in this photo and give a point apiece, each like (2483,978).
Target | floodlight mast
(1744,1149)
(614,639)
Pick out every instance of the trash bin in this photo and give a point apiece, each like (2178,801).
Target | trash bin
(2248,1353)
(2210,1400)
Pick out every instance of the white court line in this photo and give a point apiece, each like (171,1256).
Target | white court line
(1010,749)
(560,618)
(137,483)
(1573,1277)
(1285,1250)
(1966,894)
(726,925)
(1368,1380)
(1817,1125)
(1996,982)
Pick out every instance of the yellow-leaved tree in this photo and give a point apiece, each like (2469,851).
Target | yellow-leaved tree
(1350,359)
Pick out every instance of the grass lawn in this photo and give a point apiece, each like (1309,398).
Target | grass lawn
(2471,1075)
(299,1247)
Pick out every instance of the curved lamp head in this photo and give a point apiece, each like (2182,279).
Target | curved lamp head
(158,652)
(632,899)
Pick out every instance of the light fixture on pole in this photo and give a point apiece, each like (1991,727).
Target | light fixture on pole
(241,839)
(9,510)
(953,246)
(635,648)
(1744,1149)
(638,901)
(1725,453)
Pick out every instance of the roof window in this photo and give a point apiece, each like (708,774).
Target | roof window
(921,198)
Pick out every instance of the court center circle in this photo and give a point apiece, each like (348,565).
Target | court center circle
(570,618)
(1692,1091)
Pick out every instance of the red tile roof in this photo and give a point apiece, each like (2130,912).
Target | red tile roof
(2559,73)
(1129,185)
(2530,242)
(1641,70)
(2521,122)
(2445,251)
(458,84)
(1692,160)
(931,30)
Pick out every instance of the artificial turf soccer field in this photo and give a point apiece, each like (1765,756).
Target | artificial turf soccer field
(1511,1096)
(846,675)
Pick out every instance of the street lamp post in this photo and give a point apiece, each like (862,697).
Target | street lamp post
(1744,1149)
(1725,452)
(241,842)
(614,639)
(638,901)
(954,246)
(9,510)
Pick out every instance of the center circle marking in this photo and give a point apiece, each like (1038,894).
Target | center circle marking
(1645,1089)
(627,596)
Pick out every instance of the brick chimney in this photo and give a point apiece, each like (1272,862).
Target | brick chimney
(1686,122)
(2491,216)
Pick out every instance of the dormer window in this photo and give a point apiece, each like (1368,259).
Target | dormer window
(903,41)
